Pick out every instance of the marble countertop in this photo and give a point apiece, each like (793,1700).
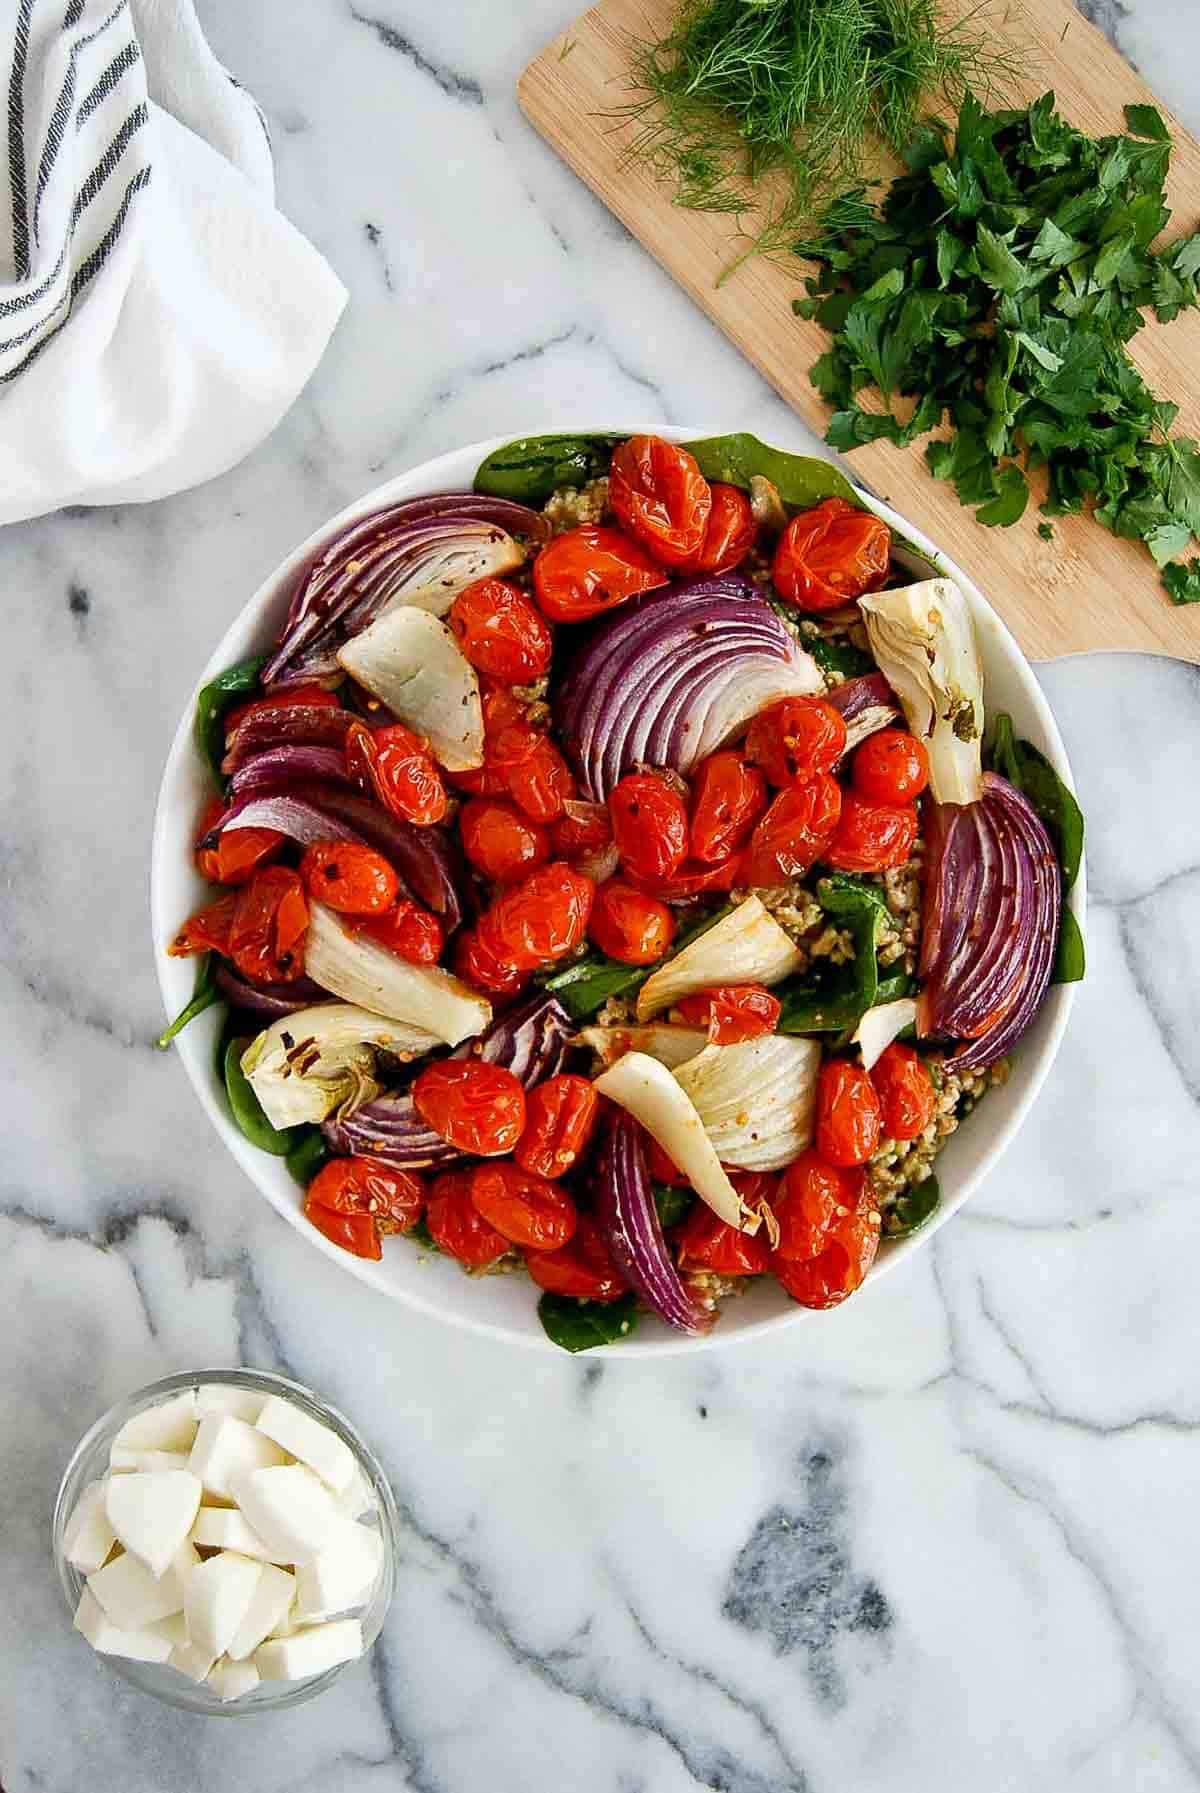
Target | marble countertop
(948,1538)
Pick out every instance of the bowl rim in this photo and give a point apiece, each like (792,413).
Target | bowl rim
(416,481)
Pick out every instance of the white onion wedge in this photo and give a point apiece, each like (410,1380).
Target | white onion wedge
(361,971)
(746,947)
(321,1060)
(755,1098)
(647,1090)
(411,662)
(671,1046)
(924,641)
(881,1025)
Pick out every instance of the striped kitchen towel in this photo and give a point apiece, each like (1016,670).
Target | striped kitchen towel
(157,314)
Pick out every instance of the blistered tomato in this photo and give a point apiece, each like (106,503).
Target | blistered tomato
(270,920)
(830,555)
(477,1107)
(581,1268)
(205,931)
(236,855)
(396,764)
(730,534)
(660,495)
(483,970)
(796,738)
(848,1124)
(728,796)
(794,833)
(529,1211)
(649,824)
(851,1242)
(534,772)
(535,922)
(812,1196)
(585,571)
(456,1225)
(349,877)
(891,766)
(500,632)
(560,1115)
(907,1100)
(731,1012)
(872,837)
(500,841)
(629,926)
(357,1201)
(707,1243)
(409,931)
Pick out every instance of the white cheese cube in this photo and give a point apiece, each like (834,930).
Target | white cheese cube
(190,1660)
(152,1513)
(226,1448)
(171,1426)
(230,1680)
(290,1509)
(341,1575)
(174,1629)
(223,1528)
(126,1462)
(94,1624)
(216,1598)
(89,1537)
(309,1652)
(133,1598)
(309,1442)
(270,1608)
(357,1498)
(241,1403)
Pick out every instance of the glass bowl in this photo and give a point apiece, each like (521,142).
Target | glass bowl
(90,1463)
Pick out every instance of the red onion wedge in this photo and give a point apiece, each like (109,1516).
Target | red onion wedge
(992,909)
(296,725)
(279,767)
(670,676)
(302,815)
(866,705)
(421,552)
(629,1225)
(531,1041)
(267,1000)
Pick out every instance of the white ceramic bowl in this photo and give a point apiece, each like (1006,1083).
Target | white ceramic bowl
(504,1307)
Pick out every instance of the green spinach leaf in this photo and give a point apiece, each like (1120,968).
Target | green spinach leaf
(911,1209)
(673,1204)
(309,1154)
(215,699)
(582,1325)
(204,995)
(835,998)
(1070,959)
(801,480)
(531,469)
(247,1110)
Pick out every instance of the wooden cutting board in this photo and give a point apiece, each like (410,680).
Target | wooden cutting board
(1084,589)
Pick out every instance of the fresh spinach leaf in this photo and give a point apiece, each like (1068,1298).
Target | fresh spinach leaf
(1070,958)
(214,701)
(585,986)
(911,1209)
(801,480)
(835,997)
(842,657)
(421,1235)
(673,1204)
(582,1325)
(531,469)
(204,995)
(247,1111)
(309,1155)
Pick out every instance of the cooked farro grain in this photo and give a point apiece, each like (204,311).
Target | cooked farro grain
(572,505)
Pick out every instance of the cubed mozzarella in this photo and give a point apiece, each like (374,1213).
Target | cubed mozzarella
(226,1448)
(224,1528)
(190,1660)
(123,1462)
(216,1598)
(93,1622)
(241,1403)
(152,1513)
(309,1652)
(357,1499)
(309,1442)
(342,1573)
(89,1537)
(171,1426)
(230,1680)
(290,1509)
(269,1609)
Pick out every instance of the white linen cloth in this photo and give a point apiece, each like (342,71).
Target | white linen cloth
(157,314)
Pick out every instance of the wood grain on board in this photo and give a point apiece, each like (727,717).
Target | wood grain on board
(1085,589)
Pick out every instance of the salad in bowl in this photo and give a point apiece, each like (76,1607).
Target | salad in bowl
(618,877)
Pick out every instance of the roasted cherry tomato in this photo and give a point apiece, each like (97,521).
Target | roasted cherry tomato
(357,1201)
(728,796)
(794,833)
(477,1107)
(871,837)
(530,1211)
(347,876)
(848,1125)
(207,931)
(535,922)
(649,823)
(477,966)
(830,555)
(839,1267)
(456,1225)
(891,766)
(409,931)
(581,1268)
(732,1012)
(398,767)
(501,709)
(812,1196)
(237,855)
(907,1099)
(586,571)
(660,495)
(691,880)
(501,632)
(535,773)
(730,534)
(795,738)
(584,827)
(314,696)
(661,1168)
(705,1242)
(270,920)
(560,1115)
(499,841)
(629,926)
